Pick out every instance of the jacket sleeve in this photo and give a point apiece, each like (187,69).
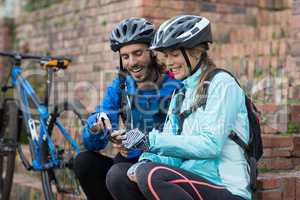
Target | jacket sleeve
(175,162)
(109,105)
(214,125)
(172,161)
(94,142)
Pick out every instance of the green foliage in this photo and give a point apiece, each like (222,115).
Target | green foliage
(264,170)
(33,5)
(294,101)
(293,128)
(104,23)
(258,70)
(264,119)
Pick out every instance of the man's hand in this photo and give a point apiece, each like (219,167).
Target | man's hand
(102,122)
(116,138)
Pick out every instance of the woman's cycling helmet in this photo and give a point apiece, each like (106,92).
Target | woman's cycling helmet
(131,30)
(186,31)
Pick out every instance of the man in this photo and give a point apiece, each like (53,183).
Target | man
(139,95)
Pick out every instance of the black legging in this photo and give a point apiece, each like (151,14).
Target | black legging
(91,169)
(160,182)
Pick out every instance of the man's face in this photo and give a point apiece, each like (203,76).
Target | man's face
(136,59)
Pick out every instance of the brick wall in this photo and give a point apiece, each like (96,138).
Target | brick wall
(79,28)
(258,40)
(252,38)
(293,60)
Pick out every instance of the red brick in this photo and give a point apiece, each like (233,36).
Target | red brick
(283,47)
(276,115)
(223,8)
(295,21)
(296,162)
(175,5)
(237,2)
(208,7)
(277,152)
(251,2)
(298,188)
(296,153)
(274,47)
(268,195)
(272,141)
(268,183)
(151,3)
(289,188)
(276,163)
(295,113)
(296,142)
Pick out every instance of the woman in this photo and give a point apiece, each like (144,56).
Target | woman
(193,158)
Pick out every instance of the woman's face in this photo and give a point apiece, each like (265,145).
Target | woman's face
(176,63)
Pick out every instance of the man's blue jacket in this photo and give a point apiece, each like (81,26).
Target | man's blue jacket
(144,109)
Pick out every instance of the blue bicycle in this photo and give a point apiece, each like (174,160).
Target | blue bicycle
(52,131)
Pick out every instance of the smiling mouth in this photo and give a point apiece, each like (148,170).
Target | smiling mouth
(175,69)
(136,69)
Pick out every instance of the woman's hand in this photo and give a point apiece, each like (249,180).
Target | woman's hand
(131,172)
(116,138)
(131,175)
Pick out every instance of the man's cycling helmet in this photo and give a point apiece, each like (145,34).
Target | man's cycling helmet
(131,30)
(183,31)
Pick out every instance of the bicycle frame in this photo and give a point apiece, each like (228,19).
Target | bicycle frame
(26,93)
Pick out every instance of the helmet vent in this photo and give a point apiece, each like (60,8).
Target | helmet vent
(134,28)
(189,26)
(148,32)
(177,34)
(118,33)
(194,30)
(124,29)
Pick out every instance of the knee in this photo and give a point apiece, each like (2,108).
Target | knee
(143,174)
(146,176)
(116,176)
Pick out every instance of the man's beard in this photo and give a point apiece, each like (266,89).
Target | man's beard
(148,70)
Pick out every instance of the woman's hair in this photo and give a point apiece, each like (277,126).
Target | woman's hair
(158,67)
(207,66)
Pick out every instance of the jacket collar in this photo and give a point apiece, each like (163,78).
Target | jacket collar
(192,81)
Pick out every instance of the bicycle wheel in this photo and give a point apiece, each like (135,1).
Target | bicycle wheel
(61,183)
(9,130)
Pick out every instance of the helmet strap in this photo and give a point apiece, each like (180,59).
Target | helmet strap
(201,60)
(120,61)
(121,73)
(187,60)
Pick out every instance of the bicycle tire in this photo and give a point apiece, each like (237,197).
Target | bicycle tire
(53,187)
(9,131)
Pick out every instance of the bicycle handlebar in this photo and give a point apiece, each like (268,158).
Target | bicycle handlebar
(20,56)
(46,61)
